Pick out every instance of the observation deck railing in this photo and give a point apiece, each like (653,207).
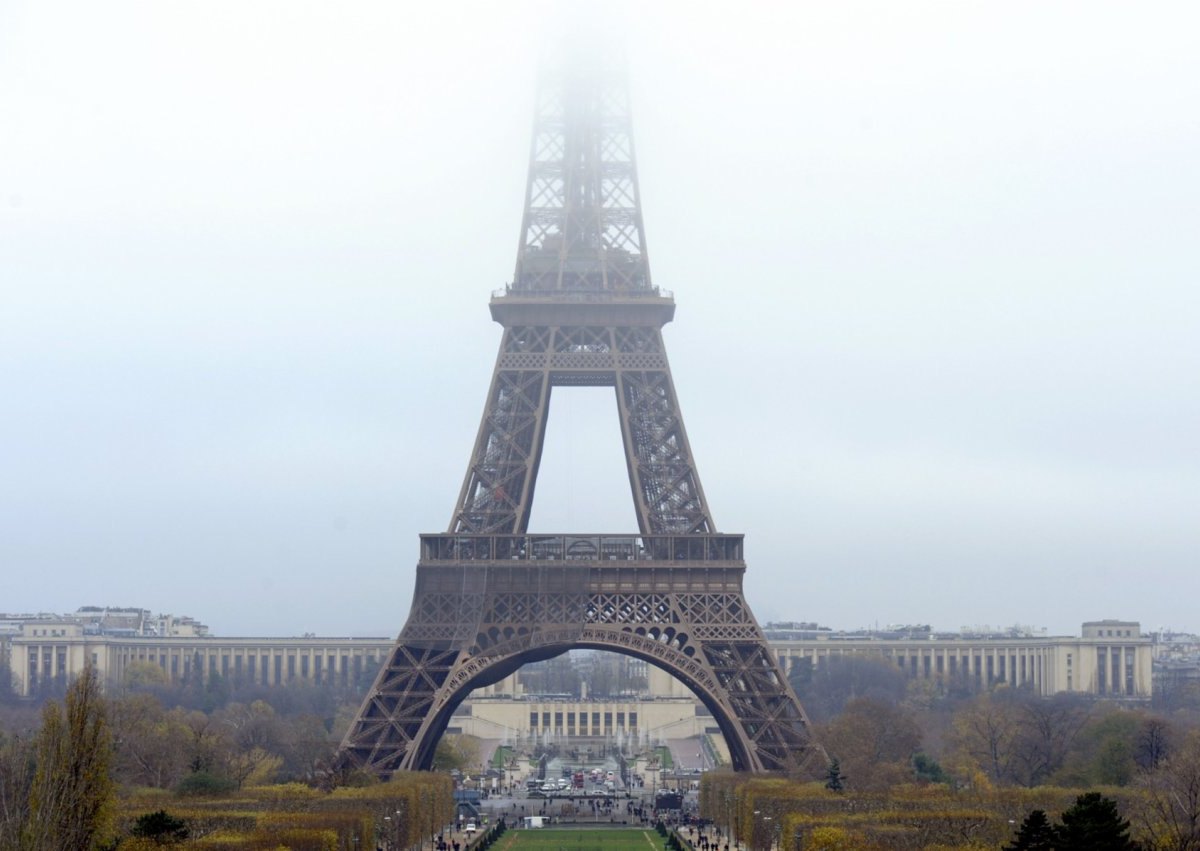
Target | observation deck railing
(604,549)
(512,293)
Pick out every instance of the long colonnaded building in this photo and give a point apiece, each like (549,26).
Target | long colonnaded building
(1110,658)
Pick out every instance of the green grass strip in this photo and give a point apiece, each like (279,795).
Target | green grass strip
(572,839)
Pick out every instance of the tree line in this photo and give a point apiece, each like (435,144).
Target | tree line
(76,778)
(1159,811)
(885,729)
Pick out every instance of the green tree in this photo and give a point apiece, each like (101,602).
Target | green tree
(161,827)
(833,777)
(927,770)
(1035,834)
(1102,753)
(8,689)
(1092,823)
(203,784)
(216,692)
(72,797)
(142,674)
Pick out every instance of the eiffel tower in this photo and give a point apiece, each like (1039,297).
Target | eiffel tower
(490,595)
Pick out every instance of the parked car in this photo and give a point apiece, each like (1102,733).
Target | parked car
(470,828)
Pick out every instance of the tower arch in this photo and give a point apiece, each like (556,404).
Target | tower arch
(486,605)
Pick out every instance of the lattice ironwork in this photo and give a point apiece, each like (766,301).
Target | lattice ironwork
(490,596)
(519,613)
(582,229)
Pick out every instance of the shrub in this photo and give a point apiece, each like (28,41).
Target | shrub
(161,827)
(203,784)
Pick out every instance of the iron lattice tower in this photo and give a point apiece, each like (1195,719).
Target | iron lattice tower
(490,596)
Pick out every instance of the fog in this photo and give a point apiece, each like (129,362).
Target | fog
(936,346)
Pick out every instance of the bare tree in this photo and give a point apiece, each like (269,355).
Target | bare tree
(1169,816)
(1048,728)
(16,779)
(985,735)
(151,745)
(1152,745)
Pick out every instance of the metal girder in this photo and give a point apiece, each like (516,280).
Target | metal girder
(582,228)
(490,597)
(475,621)
(497,493)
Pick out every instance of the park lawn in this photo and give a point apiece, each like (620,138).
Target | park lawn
(571,839)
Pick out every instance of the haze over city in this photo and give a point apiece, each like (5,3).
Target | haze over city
(936,343)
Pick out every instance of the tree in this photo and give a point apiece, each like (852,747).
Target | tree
(151,744)
(1035,834)
(1170,813)
(1048,727)
(456,750)
(832,839)
(142,674)
(927,770)
(985,734)
(1102,752)
(833,777)
(161,827)
(202,784)
(71,800)
(1152,745)
(1092,823)
(254,735)
(8,689)
(207,741)
(308,749)
(827,691)
(16,779)
(875,741)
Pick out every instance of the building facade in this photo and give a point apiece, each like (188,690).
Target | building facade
(1109,659)
(44,652)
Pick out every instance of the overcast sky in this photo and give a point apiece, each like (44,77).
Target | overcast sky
(937,343)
